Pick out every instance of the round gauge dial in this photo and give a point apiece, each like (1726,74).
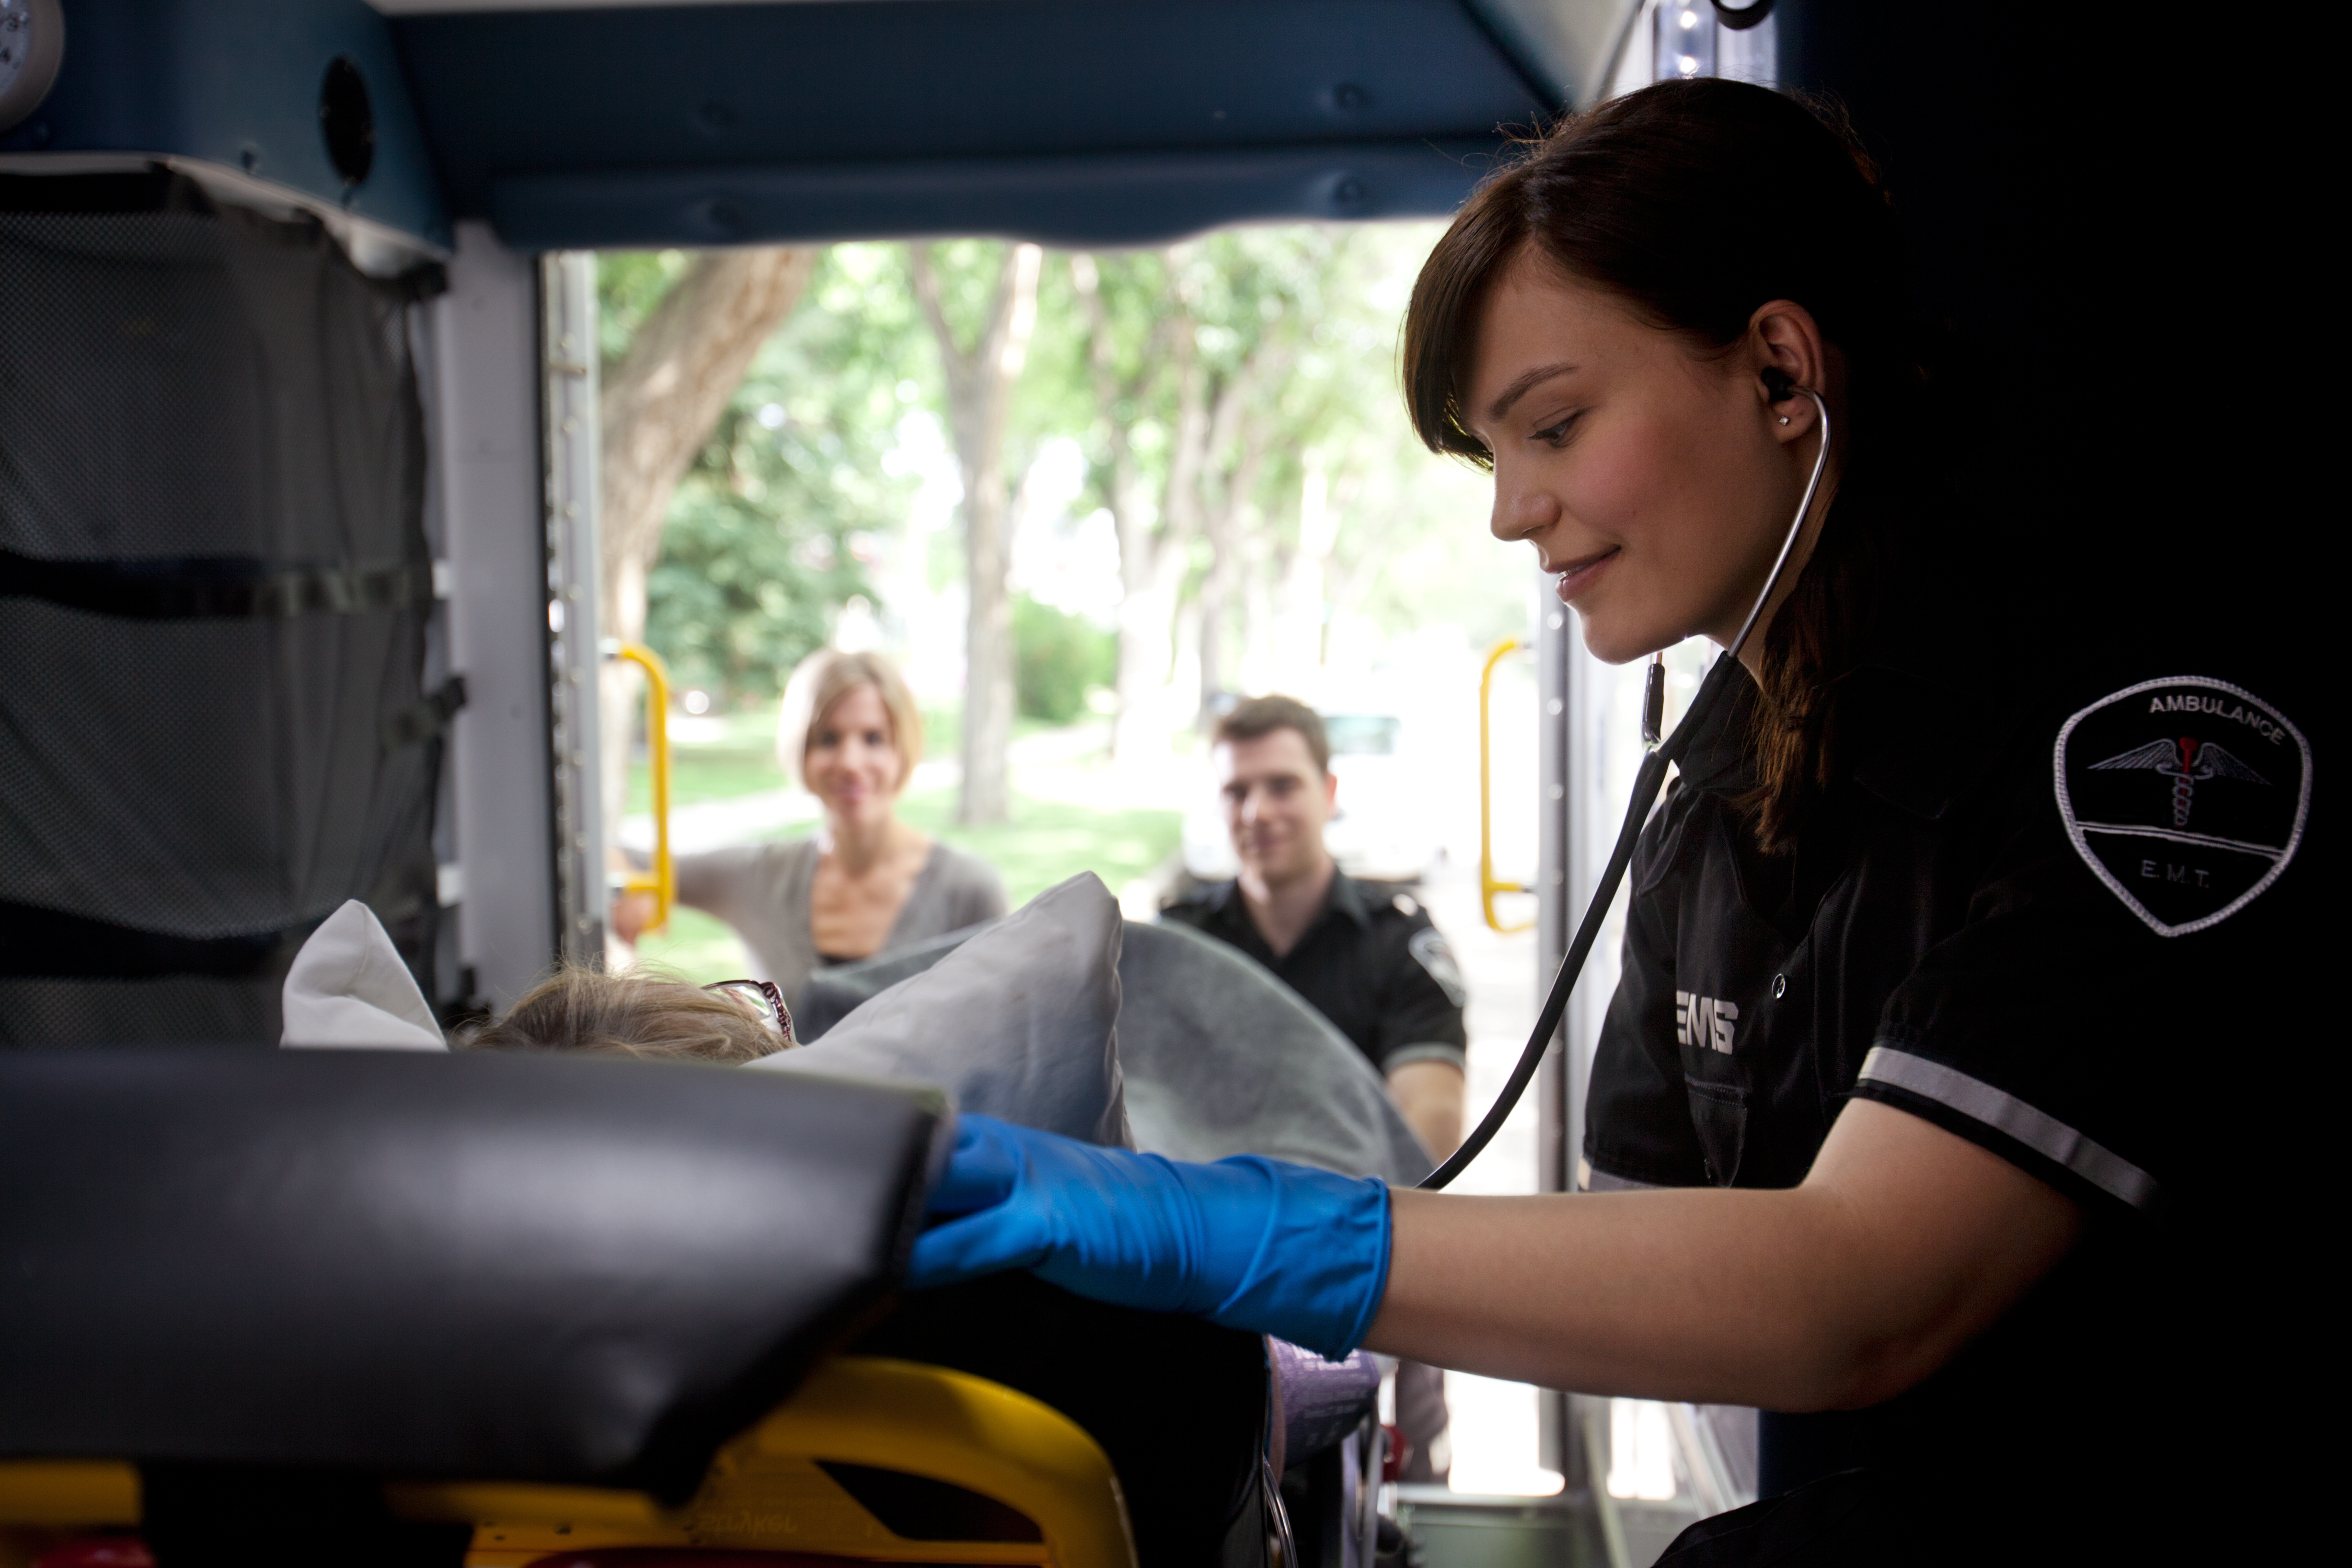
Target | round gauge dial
(32,46)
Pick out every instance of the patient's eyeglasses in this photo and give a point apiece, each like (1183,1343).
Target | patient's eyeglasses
(763,997)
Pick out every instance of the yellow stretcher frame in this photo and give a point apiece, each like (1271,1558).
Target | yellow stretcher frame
(764,1490)
(1487,884)
(662,882)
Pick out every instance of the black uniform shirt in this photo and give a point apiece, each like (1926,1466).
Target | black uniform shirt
(2023,917)
(1373,964)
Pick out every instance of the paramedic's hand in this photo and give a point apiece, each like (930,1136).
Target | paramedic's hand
(1248,1243)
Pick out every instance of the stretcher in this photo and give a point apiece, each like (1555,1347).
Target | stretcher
(409,1308)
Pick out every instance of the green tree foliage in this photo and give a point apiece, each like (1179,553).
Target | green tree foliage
(768,534)
(1290,330)
(1058,657)
(1052,398)
(1299,324)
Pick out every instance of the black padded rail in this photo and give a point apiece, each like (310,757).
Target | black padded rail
(587,1271)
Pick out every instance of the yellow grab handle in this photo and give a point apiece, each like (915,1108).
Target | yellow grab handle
(1487,886)
(663,883)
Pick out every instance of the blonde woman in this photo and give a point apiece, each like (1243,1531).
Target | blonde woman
(865,882)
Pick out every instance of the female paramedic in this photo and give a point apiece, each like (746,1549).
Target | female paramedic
(1880,1129)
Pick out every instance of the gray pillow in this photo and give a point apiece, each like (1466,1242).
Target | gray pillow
(1219,1058)
(1223,1059)
(1019,1021)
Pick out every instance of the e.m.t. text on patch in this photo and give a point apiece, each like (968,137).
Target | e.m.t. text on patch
(2187,797)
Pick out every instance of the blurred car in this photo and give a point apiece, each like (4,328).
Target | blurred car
(1381,828)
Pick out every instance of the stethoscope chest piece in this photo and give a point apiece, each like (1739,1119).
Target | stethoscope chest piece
(1654,701)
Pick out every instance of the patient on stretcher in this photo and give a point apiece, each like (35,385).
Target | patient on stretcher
(1019,1022)
(1026,1018)
(348,988)
(1059,1016)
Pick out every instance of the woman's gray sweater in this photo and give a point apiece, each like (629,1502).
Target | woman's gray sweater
(763,890)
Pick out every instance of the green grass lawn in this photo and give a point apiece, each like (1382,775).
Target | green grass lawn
(743,762)
(1049,841)
(1046,841)
(702,948)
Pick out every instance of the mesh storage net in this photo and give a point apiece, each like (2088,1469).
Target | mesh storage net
(214,586)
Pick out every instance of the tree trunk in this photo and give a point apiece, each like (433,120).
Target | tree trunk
(980,396)
(1216,595)
(1149,562)
(1266,560)
(1301,614)
(1183,513)
(658,405)
(1222,430)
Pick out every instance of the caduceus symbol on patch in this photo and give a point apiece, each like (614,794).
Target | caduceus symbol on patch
(2185,761)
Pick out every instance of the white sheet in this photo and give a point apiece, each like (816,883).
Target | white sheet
(348,989)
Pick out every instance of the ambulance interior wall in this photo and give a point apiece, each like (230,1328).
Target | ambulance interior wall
(215,590)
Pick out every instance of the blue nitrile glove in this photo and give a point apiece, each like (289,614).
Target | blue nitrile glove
(1248,1243)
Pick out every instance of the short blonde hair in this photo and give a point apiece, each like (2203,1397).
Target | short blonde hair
(823,678)
(645,1012)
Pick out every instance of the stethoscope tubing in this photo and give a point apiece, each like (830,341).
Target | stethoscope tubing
(1647,782)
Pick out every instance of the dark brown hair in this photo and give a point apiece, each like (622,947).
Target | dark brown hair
(1264,715)
(644,1013)
(1697,202)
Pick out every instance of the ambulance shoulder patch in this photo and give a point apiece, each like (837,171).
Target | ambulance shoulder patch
(1428,948)
(2187,797)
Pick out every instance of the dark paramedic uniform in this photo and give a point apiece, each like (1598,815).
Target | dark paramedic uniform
(2020,917)
(1372,963)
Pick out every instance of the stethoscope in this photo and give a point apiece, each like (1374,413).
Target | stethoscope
(1652,778)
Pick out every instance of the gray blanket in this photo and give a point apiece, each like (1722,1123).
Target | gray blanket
(1220,1058)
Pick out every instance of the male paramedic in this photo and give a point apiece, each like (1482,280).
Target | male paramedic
(1369,960)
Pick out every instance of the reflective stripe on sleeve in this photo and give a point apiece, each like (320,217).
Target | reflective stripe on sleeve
(2005,1114)
(1423,1051)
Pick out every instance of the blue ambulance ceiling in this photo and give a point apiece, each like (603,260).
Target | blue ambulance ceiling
(1070,121)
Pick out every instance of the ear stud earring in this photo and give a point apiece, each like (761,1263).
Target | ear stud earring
(1784,419)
